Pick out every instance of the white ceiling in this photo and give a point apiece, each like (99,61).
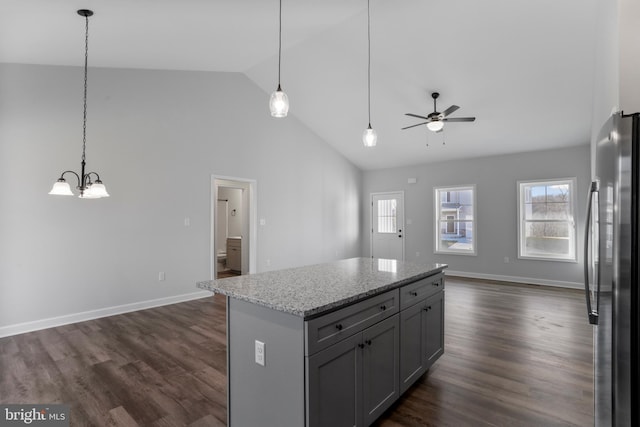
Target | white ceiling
(524,68)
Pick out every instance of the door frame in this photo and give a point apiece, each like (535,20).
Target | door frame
(253,220)
(371,222)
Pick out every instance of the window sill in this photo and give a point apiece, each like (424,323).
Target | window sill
(455,253)
(533,258)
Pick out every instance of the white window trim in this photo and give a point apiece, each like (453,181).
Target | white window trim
(574,186)
(436,220)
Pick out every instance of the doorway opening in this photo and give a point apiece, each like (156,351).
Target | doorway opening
(233,226)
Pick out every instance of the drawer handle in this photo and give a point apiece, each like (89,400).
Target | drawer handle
(361,345)
(339,326)
(383,307)
(413,293)
(427,308)
(436,283)
(368,342)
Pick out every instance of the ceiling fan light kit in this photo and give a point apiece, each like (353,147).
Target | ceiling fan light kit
(435,125)
(435,121)
(279,101)
(88,189)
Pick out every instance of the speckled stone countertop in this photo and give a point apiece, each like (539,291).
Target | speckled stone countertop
(312,290)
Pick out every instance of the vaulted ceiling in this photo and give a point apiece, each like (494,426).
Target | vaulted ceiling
(525,69)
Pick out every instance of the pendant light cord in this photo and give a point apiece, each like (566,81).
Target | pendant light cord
(279,43)
(369,60)
(84,117)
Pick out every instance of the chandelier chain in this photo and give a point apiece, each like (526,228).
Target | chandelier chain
(84,116)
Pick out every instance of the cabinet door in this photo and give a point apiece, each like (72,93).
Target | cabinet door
(380,367)
(334,382)
(434,328)
(233,258)
(412,351)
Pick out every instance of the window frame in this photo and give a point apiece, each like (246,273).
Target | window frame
(573,222)
(437,230)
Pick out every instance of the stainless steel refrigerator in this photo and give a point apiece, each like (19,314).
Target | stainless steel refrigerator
(611,271)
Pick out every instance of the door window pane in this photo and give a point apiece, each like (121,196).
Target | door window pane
(387,216)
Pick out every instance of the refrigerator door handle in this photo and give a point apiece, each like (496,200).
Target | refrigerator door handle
(593,314)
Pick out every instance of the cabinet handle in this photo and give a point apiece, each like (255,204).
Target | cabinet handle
(436,283)
(383,307)
(339,326)
(361,345)
(368,342)
(427,308)
(413,293)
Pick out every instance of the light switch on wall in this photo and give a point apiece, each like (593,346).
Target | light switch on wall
(260,353)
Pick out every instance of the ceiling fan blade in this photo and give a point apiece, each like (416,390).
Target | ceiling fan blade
(412,126)
(415,115)
(459,119)
(449,110)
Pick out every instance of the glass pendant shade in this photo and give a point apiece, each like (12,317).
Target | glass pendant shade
(99,190)
(61,188)
(96,190)
(435,125)
(369,137)
(279,103)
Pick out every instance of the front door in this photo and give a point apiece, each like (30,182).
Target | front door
(387,225)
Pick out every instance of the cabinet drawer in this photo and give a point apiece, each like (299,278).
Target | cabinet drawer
(338,325)
(234,243)
(421,289)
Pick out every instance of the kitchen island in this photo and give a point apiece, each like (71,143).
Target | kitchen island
(330,344)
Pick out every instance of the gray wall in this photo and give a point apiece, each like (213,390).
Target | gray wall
(606,85)
(496,192)
(155,137)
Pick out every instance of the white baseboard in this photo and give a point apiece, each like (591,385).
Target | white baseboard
(516,279)
(36,325)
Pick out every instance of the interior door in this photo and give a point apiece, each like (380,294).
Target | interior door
(387,225)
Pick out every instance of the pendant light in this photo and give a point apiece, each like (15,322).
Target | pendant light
(88,189)
(279,102)
(369,137)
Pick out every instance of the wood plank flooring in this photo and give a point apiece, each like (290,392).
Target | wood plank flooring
(515,355)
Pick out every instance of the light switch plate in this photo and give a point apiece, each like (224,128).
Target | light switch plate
(260,353)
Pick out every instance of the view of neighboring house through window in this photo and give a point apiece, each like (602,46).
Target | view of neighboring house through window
(455,217)
(547,228)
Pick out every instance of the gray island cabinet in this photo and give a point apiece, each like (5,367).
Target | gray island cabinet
(332,344)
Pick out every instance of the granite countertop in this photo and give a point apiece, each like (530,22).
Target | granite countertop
(311,290)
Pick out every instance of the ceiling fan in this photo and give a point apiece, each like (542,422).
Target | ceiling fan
(435,121)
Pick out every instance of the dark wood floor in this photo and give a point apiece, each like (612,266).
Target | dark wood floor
(515,355)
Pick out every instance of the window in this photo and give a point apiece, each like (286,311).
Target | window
(547,228)
(455,220)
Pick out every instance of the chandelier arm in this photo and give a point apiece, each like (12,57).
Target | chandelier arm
(94,173)
(77,176)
